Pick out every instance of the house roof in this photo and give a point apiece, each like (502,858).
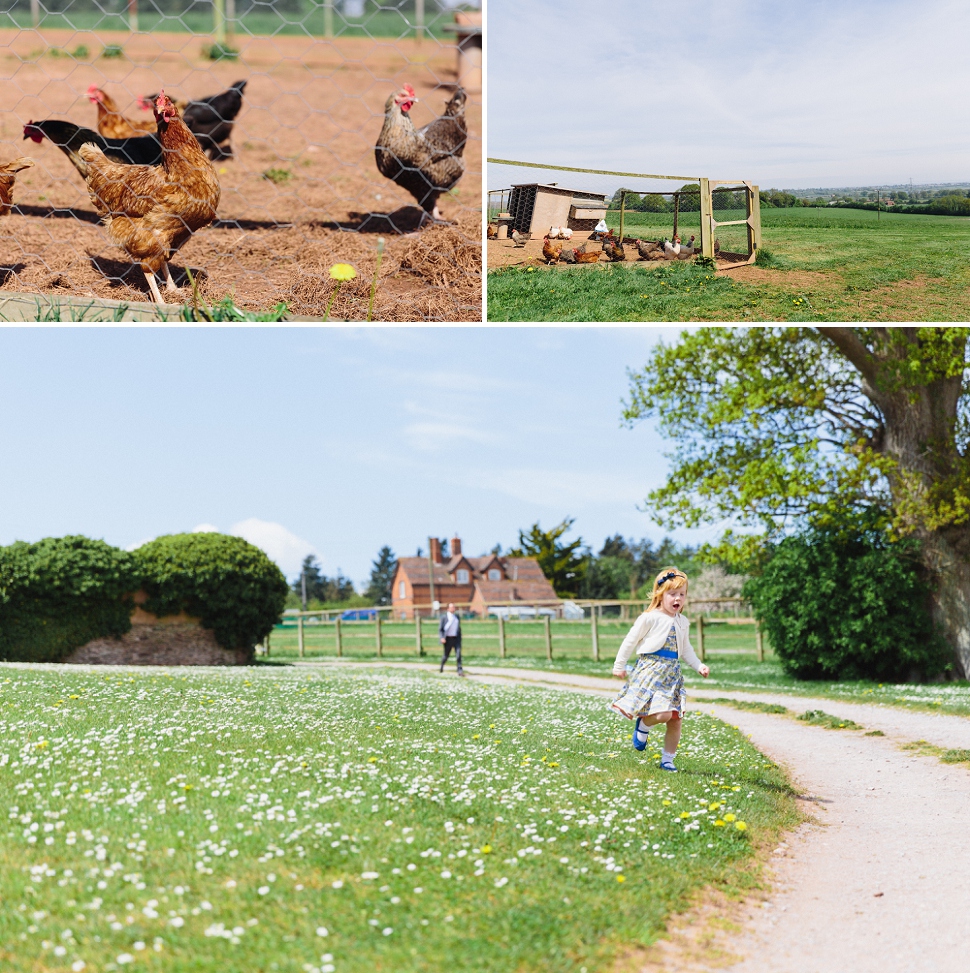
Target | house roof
(523,579)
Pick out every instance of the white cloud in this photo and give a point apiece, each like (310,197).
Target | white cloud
(430,436)
(561,489)
(205,529)
(283,546)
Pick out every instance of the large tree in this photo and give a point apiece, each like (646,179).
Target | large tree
(779,427)
(382,577)
(563,564)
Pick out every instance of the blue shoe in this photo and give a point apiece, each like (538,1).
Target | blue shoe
(640,736)
(668,764)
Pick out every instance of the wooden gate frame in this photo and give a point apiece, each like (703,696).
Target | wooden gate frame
(752,218)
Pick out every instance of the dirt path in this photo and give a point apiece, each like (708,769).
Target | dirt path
(880,881)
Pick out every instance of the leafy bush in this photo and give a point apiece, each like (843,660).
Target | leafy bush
(847,603)
(60,593)
(230,585)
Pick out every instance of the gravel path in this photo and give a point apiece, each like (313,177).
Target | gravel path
(880,881)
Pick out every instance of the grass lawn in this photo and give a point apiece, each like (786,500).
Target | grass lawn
(818,265)
(377,23)
(271,819)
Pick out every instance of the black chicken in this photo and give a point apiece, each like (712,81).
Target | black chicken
(145,150)
(210,119)
(426,161)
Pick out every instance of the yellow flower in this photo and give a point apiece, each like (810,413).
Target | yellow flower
(729,817)
(486,849)
(372,760)
(476,736)
(718,823)
(491,726)
(685,814)
(620,878)
(666,803)
(741,826)
(553,763)
(342,272)
(713,806)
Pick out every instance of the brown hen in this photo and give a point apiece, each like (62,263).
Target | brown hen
(550,252)
(150,211)
(8,176)
(111,123)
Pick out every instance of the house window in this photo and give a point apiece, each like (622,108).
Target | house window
(494,574)
(462,576)
(401,590)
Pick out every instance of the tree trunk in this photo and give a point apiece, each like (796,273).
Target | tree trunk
(950,572)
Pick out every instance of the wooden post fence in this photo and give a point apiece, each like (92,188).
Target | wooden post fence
(418,644)
(760,642)
(267,643)
(595,633)
(501,636)
(299,622)
(547,626)
(380,637)
(340,644)
(700,637)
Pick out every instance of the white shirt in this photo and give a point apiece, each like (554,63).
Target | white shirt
(648,634)
(451,625)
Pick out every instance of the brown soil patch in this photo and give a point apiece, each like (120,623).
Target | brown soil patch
(313,108)
(788,279)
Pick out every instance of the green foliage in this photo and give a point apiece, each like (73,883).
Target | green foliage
(626,568)
(230,585)
(60,593)
(818,717)
(113,50)
(220,52)
(278,176)
(563,564)
(844,602)
(319,587)
(381,577)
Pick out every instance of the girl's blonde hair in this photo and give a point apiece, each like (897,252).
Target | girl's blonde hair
(669,579)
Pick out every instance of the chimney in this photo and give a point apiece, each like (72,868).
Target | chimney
(456,546)
(435,550)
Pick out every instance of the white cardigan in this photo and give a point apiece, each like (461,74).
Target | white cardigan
(648,634)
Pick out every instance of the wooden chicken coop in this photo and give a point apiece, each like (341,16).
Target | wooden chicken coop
(534,207)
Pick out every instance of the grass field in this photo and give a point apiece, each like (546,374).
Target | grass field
(818,265)
(524,640)
(268,819)
(380,23)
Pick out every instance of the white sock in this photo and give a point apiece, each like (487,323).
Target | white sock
(667,755)
(641,731)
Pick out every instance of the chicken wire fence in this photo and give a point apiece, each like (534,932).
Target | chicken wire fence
(340,134)
(656,216)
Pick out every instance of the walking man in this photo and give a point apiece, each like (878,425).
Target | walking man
(449,632)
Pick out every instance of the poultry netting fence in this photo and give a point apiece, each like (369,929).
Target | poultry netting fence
(589,211)
(327,135)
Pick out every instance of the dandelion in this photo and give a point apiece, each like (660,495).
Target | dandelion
(620,878)
(339,273)
(740,825)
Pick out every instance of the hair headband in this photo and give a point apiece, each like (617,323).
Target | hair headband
(667,577)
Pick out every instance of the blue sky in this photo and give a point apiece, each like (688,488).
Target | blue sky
(331,441)
(784,94)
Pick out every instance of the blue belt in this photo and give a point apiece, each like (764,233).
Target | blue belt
(664,653)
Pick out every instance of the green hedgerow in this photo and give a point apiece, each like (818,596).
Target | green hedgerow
(230,585)
(59,593)
(846,602)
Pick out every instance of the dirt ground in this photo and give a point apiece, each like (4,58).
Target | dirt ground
(313,108)
(504,253)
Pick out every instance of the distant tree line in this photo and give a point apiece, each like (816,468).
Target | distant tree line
(623,568)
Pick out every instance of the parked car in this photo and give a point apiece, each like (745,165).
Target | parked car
(359,615)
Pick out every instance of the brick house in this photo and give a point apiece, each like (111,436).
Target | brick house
(470,582)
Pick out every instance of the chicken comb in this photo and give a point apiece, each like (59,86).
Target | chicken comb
(409,90)
(145,104)
(94,93)
(31,131)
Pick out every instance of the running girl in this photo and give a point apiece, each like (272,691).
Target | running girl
(654,692)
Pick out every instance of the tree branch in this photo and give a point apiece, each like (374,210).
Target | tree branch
(847,342)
